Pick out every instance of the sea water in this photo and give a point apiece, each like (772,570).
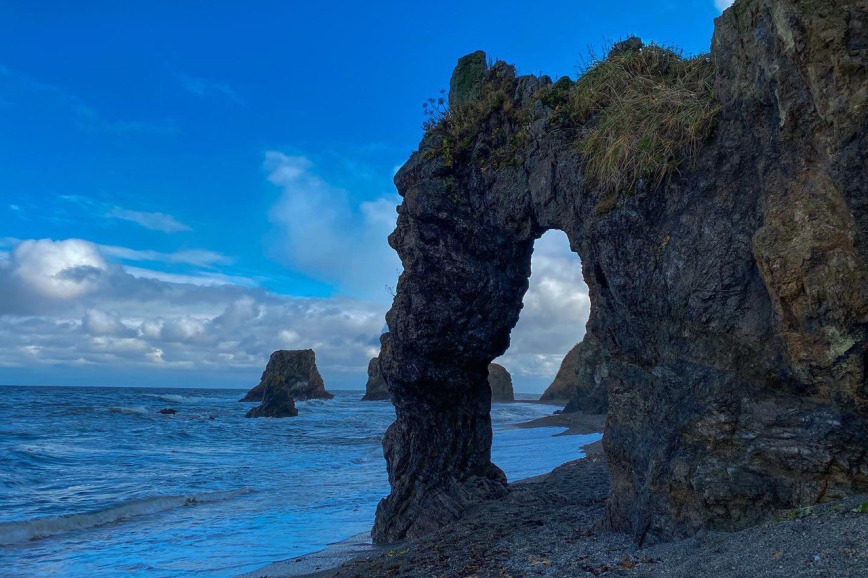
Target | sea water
(96,482)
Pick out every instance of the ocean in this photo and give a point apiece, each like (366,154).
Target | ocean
(95,482)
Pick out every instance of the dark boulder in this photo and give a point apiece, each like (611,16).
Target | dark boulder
(277,402)
(295,369)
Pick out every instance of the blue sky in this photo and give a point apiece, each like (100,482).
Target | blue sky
(179,158)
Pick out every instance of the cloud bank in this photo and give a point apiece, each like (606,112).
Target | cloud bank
(68,304)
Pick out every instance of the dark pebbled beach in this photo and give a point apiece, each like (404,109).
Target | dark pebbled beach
(547,526)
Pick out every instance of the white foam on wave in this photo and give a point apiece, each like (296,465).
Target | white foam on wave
(175,397)
(26,530)
(137,409)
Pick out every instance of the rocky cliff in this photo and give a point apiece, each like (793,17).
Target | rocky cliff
(582,379)
(718,205)
(500,382)
(296,371)
(376,388)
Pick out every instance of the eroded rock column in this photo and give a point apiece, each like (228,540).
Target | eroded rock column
(458,298)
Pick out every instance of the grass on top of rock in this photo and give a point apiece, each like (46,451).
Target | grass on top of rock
(640,114)
(646,111)
(459,125)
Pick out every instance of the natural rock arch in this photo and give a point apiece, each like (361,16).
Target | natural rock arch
(729,300)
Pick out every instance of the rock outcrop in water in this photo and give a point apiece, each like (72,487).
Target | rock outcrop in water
(277,401)
(295,369)
(729,291)
(376,389)
(582,379)
(500,382)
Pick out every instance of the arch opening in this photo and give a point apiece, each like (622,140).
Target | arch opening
(552,323)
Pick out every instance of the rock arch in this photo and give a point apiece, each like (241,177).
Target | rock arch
(730,301)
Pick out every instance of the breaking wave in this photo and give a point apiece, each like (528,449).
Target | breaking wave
(26,530)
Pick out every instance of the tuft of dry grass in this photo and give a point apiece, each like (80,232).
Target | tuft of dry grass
(459,125)
(647,112)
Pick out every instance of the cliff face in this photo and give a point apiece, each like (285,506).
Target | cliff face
(500,382)
(376,388)
(729,297)
(582,379)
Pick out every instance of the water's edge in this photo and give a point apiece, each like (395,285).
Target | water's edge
(361,546)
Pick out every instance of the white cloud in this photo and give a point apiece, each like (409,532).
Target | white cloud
(722,4)
(61,269)
(153,221)
(326,236)
(556,309)
(138,325)
(196,257)
(65,306)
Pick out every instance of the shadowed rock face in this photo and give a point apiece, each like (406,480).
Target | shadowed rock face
(730,303)
(295,369)
(376,388)
(582,379)
(500,382)
(277,402)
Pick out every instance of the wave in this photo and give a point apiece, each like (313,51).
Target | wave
(26,530)
(137,410)
(176,397)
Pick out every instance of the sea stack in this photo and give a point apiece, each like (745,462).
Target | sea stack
(376,388)
(289,375)
(582,379)
(500,382)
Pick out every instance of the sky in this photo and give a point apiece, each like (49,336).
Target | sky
(187,186)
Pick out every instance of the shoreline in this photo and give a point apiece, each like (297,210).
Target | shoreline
(360,547)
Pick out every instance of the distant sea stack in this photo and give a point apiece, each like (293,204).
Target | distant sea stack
(500,382)
(296,369)
(581,380)
(376,389)
(290,376)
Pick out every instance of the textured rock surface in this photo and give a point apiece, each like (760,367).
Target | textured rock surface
(582,379)
(376,388)
(296,369)
(730,302)
(276,402)
(500,382)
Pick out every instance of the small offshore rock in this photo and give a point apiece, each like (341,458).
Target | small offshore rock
(168,411)
(277,402)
